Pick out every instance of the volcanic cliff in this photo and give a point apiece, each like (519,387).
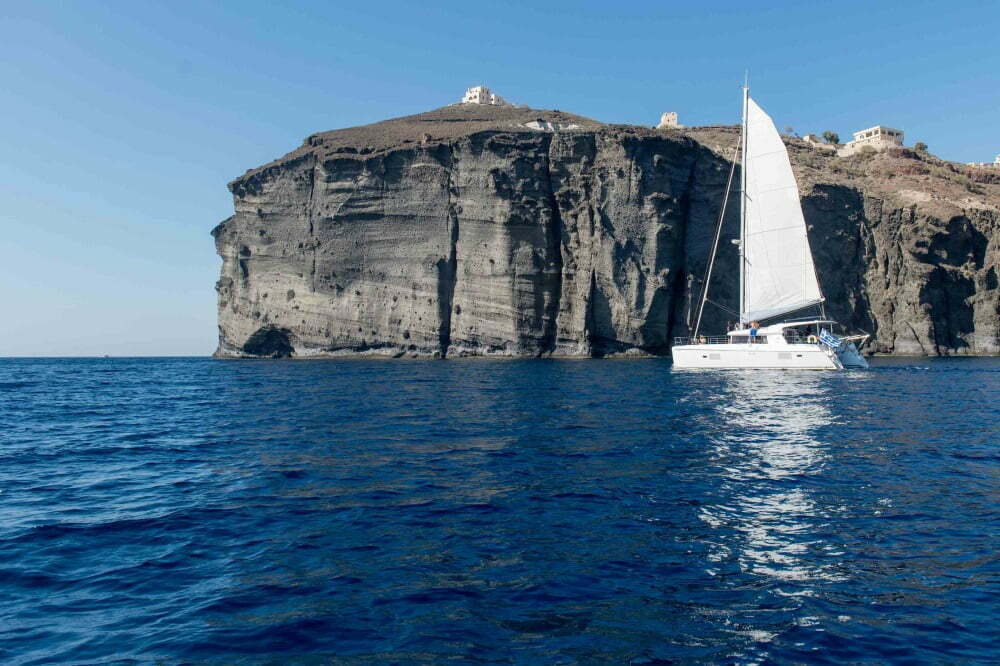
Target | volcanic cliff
(483,230)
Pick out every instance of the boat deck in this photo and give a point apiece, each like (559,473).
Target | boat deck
(734,340)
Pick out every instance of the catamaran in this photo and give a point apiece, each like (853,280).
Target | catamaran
(777,276)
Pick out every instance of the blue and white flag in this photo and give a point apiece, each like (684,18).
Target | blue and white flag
(829,339)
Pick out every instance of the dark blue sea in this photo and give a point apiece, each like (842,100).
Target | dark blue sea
(467,511)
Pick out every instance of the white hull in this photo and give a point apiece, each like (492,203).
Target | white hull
(741,356)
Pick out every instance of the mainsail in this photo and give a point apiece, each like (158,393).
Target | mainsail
(779,276)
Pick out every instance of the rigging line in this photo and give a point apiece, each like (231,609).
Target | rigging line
(795,309)
(718,233)
(722,307)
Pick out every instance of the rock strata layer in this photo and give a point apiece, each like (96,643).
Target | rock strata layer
(464,231)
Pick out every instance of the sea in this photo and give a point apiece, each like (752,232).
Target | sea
(197,511)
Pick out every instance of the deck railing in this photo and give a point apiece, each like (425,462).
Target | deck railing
(703,340)
(741,339)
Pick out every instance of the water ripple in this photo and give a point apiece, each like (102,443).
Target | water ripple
(185,510)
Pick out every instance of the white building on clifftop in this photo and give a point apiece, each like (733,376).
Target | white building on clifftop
(877,137)
(995,165)
(483,95)
(669,121)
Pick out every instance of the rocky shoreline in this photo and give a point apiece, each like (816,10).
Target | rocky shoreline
(466,232)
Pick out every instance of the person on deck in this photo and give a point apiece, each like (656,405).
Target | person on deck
(753,332)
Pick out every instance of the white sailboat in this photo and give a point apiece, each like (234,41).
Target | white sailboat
(777,276)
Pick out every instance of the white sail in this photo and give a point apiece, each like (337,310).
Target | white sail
(779,275)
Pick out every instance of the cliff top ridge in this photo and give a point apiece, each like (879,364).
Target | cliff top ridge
(443,124)
(909,175)
(904,174)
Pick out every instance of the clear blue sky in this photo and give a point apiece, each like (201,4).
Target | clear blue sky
(123,121)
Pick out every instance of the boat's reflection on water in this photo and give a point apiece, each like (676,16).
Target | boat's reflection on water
(771,459)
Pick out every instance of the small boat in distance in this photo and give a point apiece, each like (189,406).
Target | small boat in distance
(777,276)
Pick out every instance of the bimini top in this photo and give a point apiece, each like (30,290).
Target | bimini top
(777,329)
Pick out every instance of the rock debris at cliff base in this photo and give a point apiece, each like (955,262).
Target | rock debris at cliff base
(463,231)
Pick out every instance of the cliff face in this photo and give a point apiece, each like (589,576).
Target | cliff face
(463,232)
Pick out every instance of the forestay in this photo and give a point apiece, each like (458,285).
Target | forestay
(780,276)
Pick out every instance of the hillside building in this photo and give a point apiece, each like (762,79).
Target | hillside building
(987,165)
(878,137)
(483,95)
(818,142)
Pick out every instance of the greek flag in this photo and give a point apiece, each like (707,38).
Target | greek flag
(829,339)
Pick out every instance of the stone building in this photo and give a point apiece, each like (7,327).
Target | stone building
(669,121)
(878,137)
(818,142)
(483,95)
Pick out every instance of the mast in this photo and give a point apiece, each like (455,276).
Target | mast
(743,202)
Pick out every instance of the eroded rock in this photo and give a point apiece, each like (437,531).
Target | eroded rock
(495,239)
